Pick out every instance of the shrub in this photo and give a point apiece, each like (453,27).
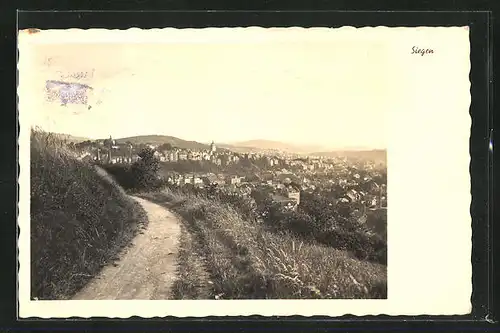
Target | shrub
(122,173)
(141,175)
(145,170)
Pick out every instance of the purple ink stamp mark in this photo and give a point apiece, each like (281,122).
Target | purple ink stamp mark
(67,92)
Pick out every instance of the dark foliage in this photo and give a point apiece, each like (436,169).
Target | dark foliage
(141,175)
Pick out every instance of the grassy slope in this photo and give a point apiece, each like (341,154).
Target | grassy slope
(245,261)
(79,220)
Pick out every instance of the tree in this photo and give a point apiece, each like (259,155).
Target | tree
(147,155)
(145,170)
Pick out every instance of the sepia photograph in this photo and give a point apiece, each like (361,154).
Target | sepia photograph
(252,165)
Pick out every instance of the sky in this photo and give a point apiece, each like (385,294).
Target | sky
(323,90)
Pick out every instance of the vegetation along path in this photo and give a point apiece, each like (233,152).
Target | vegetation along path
(145,270)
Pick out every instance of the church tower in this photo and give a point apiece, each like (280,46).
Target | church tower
(110,148)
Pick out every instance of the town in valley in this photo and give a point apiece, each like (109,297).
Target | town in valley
(348,177)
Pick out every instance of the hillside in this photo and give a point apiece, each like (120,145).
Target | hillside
(79,219)
(162,139)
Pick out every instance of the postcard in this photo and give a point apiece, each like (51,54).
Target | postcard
(244,171)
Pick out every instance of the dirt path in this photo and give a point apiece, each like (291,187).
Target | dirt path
(147,269)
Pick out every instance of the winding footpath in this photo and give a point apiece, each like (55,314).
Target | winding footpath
(147,269)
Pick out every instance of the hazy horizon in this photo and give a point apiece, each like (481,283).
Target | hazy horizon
(319,148)
(319,90)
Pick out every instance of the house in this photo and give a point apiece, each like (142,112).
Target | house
(193,156)
(157,154)
(178,181)
(172,156)
(343,200)
(212,180)
(233,180)
(353,195)
(197,180)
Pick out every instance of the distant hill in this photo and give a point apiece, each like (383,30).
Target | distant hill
(241,150)
(251,146)
(256,145)
(377,155)
(162,139)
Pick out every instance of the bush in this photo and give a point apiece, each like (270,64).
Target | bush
(329,227)
(244,205)
(141,175)
(145,170)
(79,219)
(122,173)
